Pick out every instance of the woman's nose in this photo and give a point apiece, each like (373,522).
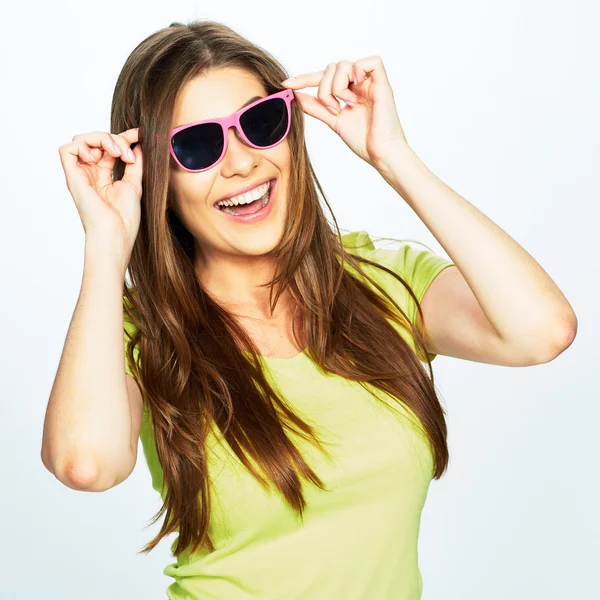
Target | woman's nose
(239,154)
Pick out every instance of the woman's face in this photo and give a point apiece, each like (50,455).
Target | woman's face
(220,94)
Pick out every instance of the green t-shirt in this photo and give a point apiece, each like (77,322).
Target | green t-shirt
(359,538)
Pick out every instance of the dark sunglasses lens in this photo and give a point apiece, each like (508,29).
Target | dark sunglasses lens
(266,123)
(199,146)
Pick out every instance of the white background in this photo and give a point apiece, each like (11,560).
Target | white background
(500,100)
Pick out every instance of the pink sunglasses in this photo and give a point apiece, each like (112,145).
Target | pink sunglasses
(199,146)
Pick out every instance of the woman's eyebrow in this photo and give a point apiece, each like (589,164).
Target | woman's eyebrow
(240,108)
(250,101)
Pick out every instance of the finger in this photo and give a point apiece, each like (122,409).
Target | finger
(103,140)
(113,147)
(134,171)
(123,146)
(325,93)
(102,159)
(94,137)
(304,80)
(72,155)
(372,67)
(93,145)
(119,145)
(128,137)
(359,74)
(341,80)
(314,107)
(85,152)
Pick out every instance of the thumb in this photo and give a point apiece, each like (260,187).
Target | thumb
(133,171)
(315,108)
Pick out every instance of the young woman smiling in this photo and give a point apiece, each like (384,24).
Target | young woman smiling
(273,368)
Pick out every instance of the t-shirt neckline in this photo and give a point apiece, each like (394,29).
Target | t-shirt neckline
(285,359)
(281,360)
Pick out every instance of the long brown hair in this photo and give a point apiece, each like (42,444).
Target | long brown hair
(197,365)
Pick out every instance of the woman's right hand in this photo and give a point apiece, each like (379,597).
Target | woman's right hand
(108,210)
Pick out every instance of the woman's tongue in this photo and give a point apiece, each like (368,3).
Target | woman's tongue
(246,209)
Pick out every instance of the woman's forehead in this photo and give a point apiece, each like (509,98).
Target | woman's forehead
(216,94)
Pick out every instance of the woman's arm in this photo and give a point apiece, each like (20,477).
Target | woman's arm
(527,310)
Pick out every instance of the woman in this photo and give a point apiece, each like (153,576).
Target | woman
(263,350)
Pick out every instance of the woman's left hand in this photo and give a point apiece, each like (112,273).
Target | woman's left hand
(371,128)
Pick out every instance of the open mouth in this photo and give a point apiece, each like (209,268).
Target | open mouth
(249,206)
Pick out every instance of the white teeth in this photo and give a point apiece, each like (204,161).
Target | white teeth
(248,197)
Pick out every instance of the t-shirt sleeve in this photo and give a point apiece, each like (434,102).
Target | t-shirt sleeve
(418,266)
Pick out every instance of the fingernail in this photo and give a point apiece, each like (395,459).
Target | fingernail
(350,103)
(332,110)
(130,155)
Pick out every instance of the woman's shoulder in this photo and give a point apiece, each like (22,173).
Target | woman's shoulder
(358,242)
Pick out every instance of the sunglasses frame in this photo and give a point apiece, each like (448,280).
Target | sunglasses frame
(233,120)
